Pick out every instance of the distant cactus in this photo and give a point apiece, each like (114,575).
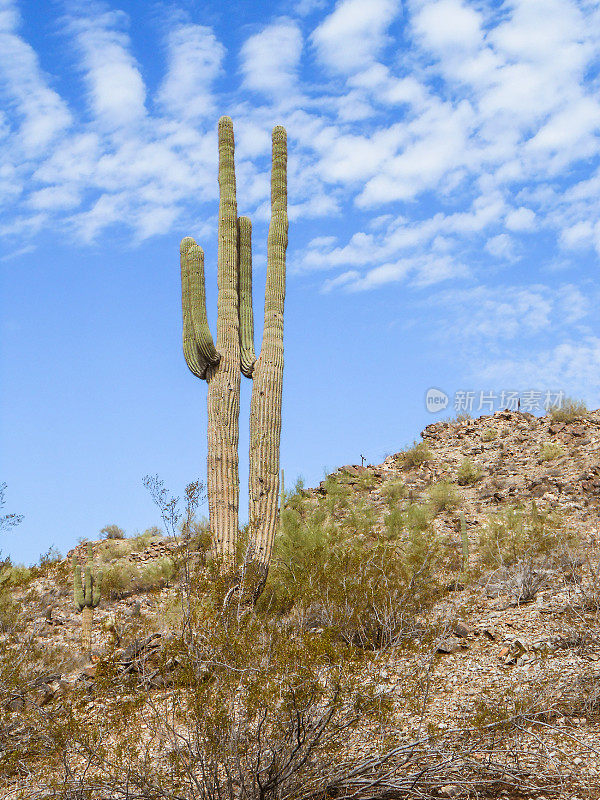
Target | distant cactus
(87,596)
(465,544)
(221,365)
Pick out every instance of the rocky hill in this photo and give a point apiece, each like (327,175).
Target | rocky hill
(508,648)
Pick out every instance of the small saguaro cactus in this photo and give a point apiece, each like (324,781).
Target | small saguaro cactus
(220,364)
(465,544)
(87,596)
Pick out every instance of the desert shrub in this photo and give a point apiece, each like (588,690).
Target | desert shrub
(50,558)
(15,576)
(460,416)
(415,517)
(119,580)
(415,455)
(443,496)
(124,578)
(199,537)
(393,492)
(418,517)
(360,518)
(569,411)
(141,541)
(365,481)
(153,532)
(468,472)
(361,589)
(489,434)
(337,492)
(550,450)
(296,499)
(520,534)
(156,574)
(112,532)
(9,611)
(253,712)
(112,549)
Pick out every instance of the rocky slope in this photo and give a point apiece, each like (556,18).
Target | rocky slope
(501,651)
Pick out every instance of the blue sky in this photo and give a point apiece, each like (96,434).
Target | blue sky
(444,185)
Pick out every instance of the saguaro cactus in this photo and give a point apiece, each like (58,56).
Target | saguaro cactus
(221,365)
(87,596)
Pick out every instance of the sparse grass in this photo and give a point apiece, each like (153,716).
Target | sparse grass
(443,496)
(570,411)
(489,434)
(415,456)
(468,473)
(550,450)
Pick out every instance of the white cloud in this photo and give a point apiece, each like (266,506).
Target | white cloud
(501,246)
(350,37)
(116,90)
(448,24)
(42,114)
(194,57)
(270,59)
(581,234)
(520,219)
(483,318)
(305,7)
(572,366)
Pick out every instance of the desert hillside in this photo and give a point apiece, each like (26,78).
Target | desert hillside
(453,590)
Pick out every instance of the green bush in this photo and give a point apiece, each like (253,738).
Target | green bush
(414,456)
(363,589)
(489,434)
(521,534)
(16,576)
(415,517)
(119,580)
(570,411)
(156,574)
(443,496)
(393,491)
(551,450)
(468,473)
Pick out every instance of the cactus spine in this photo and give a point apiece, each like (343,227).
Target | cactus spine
(87,596)
(233,354)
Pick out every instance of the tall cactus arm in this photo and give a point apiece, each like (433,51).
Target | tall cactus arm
(78,588)
(198,347)
(265,404)
(87,591)
(97,590)
(223,396)
(245,297)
